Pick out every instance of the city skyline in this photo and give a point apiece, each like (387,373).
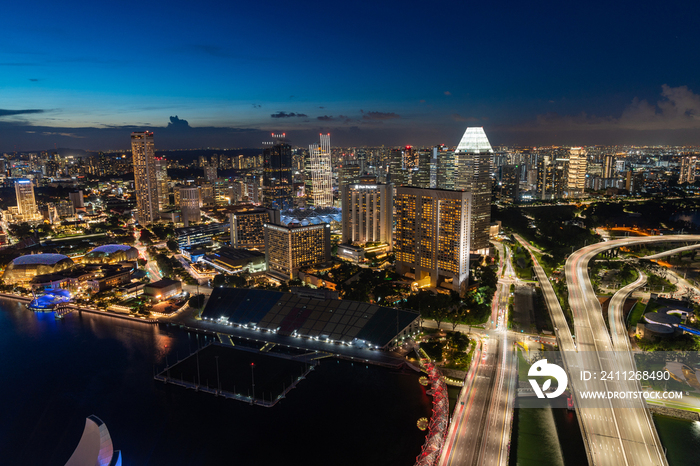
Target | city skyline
(393,74)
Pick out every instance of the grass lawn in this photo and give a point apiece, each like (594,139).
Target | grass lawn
(635,314)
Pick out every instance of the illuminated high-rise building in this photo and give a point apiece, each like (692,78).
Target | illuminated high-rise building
(473,175)
(292,247)
(145,186)
(688,165)
(162,183)
(510,182)
(210,173)
(247,227)
(277,177)
(432,235)
(190,202)
(26,203)
(348,174)
(367,213)
(321,171)
(442,171)
(576,172)
(608,166)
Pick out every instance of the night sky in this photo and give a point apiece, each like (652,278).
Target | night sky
(226,74)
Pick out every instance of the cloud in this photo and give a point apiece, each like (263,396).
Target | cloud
(458,117)
(325,118)
(34,80)
(5,112)
(287,115)
(176,123)
(257,105)
(68,135)
(422,101)
(448,93)
(379,115)
(677,109)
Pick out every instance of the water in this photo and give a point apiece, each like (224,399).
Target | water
(546,437)
(56,373)
(681,439)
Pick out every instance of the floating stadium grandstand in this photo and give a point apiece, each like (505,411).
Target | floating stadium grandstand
(336,321)
(111,254)
(25,268)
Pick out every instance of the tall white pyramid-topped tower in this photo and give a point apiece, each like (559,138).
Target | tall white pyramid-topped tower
(474,141)
(473,174)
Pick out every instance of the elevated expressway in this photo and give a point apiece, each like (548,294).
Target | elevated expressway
(619,432)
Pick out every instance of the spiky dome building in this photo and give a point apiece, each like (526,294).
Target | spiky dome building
(25,268)
(110,254)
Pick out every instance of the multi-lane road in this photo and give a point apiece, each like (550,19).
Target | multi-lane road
(481,426)
(615,431)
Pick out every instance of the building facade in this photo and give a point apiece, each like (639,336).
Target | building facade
(278,185)
(432,235)
(687,170)
(292,247)
(190,201)
(321,171)
(145,186)
(26,202)
(247,227)
(473,175)
(368,213)
(162,183)
(576,172)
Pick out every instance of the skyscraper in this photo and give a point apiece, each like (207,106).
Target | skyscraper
(473,174)
(442,168)
(432,235)
(687,170)
(510,183)
(367,213)
(26,203)
(576,172)
(292,247)
(609,166)
(277,177)
(321,172)
(162,183)
(145,186)
(190,204)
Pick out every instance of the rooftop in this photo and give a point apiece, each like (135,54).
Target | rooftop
(474,141)
(39,259)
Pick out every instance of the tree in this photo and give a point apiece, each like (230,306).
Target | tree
(172,245)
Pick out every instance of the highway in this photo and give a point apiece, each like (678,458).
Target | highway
(615,433)
(480,430)
(673,251)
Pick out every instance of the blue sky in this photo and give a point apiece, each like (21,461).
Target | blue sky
(83,75)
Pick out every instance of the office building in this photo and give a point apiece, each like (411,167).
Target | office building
(277,177)
(432,236)
(26,203)
(576,172)
(293,247)
(162,183)
(199,235)
(687,170)
(442,172)
(210,173)
(77,199)
(190,203)
(145,187)
(321,171)
(349,174)
(420,174)
(473,175)
(510,183)
(367,213)
(608,166)
(247,227)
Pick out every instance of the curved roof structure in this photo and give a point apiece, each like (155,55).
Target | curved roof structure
(39,259)
(25,268)
(111,253)
(95,447)
(660,329)
(474,141)
(661,318)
